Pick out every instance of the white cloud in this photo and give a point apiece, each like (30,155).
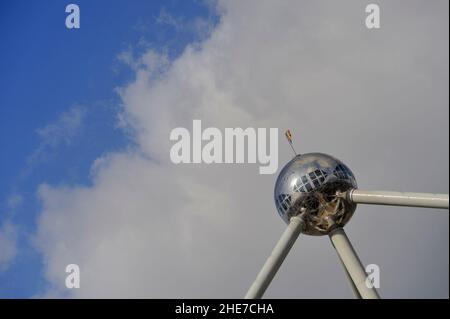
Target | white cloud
(61,132)
(166,18)
(8,245)
(378,101)
(64,129)
(14,201)
(200,27)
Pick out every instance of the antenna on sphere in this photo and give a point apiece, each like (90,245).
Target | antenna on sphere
(288,135)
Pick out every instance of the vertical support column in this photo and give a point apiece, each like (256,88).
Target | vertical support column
(276,258)
(352,263)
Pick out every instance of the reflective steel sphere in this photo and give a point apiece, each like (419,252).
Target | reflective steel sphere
(309,184)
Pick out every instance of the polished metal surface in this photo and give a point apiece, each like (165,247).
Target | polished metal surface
(310,183)
(353,266)
(398,198)
(275,259)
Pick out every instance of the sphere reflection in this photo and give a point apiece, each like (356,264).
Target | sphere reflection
(309,183)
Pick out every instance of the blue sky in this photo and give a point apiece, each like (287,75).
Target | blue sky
(49,71)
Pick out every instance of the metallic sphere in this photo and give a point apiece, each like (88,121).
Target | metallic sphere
(309,184)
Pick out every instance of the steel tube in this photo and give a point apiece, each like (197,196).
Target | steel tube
(276,258)
(352,264)
(398,198)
